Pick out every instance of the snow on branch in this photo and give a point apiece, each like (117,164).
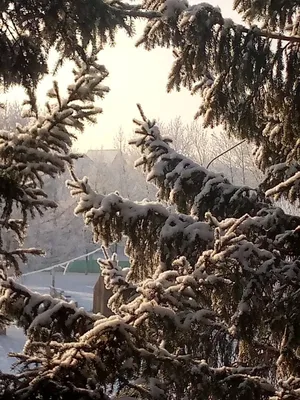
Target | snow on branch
(156,237)
(213,310)
(191,187)
(271,229)
(195,190)
(154,234)
(216,57)
(43,147)
(42,316)
(180,15)
(187,311)
(137,369)
(115,279)
(283,180)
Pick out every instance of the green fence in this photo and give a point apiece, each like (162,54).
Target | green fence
(90,266)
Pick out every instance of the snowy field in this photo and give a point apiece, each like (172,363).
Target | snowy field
(78,286)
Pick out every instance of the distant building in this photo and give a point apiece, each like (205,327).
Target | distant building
(106,156)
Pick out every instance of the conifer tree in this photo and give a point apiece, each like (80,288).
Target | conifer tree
(209,306)
(207,309)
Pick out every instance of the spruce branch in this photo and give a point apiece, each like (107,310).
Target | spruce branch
(276,36)
(184,298)
(195,190)
(219,59)
(112,216)
(42,148)
(42,317)
(273,15)
(192,188)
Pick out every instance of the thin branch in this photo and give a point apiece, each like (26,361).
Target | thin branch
(224,152)
(275,35)
(137,11)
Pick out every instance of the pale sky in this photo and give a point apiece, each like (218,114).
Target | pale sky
(136,76)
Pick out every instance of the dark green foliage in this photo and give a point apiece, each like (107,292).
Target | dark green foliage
(275,14)
(210,306)
(29,28)
(42,149)
(248,76)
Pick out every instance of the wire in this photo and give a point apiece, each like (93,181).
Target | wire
(224,152)
(61,265)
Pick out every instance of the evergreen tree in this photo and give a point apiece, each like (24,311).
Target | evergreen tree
(42,149)
(209,306)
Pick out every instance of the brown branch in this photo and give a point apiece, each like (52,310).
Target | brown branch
(274,35)
(137,11)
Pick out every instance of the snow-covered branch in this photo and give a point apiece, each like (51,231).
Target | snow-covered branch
(191,187)
(283,180)
(218,58)
(154,234)
(41,316)
(195,190)
(211,310)
(43,147)
(115,279)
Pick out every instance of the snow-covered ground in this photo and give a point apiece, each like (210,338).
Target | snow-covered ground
(78,286)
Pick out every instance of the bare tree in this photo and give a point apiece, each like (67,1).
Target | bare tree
(202,145)
(238,163)
(188,138)
(120,141)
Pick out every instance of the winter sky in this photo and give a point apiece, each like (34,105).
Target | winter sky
(137,76)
